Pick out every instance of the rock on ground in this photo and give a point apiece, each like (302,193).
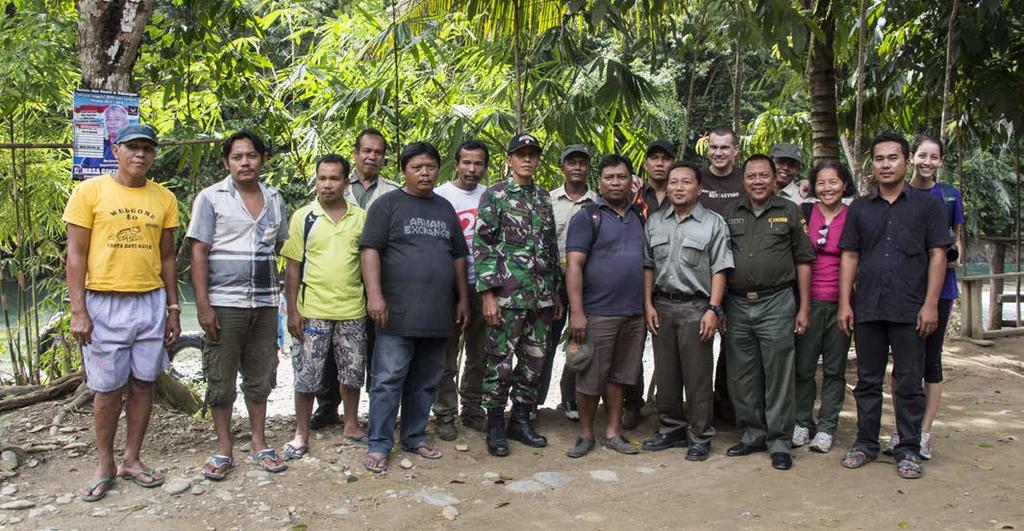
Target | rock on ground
(439,499)
(18,505)
(525,486)
(554,480)
(177,486)
(604,475)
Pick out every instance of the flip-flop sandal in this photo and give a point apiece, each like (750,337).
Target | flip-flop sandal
(909,469)
(150,473)
(363,439)
(855,458)
(425,450)
(91,486)
(268,459)
(377,465)
(295,451)
(218,462)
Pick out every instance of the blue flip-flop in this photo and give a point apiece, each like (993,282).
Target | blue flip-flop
(91,486)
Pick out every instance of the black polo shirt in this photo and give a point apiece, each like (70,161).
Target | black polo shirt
(893,241)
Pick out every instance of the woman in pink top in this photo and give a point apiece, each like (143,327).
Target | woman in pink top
(830,181)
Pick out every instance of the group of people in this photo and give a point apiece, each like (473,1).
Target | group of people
(454,298)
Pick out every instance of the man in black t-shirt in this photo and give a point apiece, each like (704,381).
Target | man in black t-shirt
(413,257)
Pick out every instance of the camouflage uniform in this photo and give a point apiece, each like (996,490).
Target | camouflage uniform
(516,256)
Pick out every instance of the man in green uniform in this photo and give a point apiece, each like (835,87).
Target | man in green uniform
(771,251)
(516,258)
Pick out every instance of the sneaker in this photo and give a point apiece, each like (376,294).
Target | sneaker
(800,436)
(571,410)
(821,443)
(926,445)
(894,441)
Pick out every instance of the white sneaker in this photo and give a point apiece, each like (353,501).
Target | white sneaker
(926,445)
(822,442)
(893,441)
(800,436)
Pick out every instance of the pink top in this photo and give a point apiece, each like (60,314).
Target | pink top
(825,268)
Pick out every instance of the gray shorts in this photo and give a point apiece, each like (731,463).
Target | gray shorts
(618,349)
(127,338)
(345,340)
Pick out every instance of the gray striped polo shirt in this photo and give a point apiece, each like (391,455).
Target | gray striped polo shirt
(243,262)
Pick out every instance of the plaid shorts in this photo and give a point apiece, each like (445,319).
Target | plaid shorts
(345,340)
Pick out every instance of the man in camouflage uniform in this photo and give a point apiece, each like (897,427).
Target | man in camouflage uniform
(516,257)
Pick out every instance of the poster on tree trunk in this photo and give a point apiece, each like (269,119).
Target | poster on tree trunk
(96,118)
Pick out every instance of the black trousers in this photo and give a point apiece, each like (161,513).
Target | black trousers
(875,339)
(330,398)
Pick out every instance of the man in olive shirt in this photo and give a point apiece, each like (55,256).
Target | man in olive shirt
(685,263)
(771,250)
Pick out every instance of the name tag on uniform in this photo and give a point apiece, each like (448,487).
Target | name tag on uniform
(735,221)
(782,219)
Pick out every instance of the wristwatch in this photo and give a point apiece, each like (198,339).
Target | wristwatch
(717,309)
(173,308)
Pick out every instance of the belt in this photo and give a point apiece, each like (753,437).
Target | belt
(755,295)
(679,297)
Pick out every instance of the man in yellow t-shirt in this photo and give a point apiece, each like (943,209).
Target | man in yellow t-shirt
(122,282)
(326,306)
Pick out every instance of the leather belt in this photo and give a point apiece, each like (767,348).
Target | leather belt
(678,297)
(760,294)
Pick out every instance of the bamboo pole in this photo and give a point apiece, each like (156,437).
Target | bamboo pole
(858,120)
(67,145)
(949,69)
(515,60)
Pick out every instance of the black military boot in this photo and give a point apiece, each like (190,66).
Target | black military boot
(497,443)
(519,428)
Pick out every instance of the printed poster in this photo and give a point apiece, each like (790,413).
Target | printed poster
(96,118)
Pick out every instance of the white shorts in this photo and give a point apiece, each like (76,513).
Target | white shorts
(127,338)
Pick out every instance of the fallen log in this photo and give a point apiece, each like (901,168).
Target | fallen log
(15,390)
(176,394)
(52,391)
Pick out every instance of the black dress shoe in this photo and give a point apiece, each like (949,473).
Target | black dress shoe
(782,461)
(699,451)
(323,417)
(664,441)
(743,449)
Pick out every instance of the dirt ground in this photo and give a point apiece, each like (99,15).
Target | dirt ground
(973,482)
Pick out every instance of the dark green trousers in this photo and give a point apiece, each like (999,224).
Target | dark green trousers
(824,341)
(761,352)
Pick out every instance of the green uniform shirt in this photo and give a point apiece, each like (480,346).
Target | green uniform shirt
(333,285)
(515,250)
(766,248)
(686,253)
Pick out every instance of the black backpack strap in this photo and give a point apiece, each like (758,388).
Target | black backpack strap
(307,227)
(948,193)
(594,212)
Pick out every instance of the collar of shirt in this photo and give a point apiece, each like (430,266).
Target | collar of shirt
(354,178)
(791,191)
(697,213)
(228,185)
(514,186)
(318,211)
(560,193)
(874,195)
(773,201)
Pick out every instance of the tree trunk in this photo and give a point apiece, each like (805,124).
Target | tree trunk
(53,391)
(997,265)
(109,35)
(737,88)
(863,182)
(822,81)
(516,61)
(949,69)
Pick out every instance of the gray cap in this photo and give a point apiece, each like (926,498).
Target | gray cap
(572,150)
(136,132)
(783,150)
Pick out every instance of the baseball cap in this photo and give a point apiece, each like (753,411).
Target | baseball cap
(136,132)
(523,140)
(572,150)
(663,145)
(783,150)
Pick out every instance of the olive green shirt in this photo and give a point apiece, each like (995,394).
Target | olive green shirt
(766,248)
(686,253)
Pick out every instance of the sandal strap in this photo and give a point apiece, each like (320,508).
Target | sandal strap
(266,453)
(220,460)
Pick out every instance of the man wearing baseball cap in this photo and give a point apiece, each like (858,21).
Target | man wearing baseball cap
(566,201)
(787,172)
(122,282)
(516,257)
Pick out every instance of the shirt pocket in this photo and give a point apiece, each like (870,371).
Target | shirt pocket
(659,247)
(909,243)
(693,251)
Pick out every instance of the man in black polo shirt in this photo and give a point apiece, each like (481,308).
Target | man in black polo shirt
(894,247)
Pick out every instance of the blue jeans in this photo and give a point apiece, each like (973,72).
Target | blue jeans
(406,371)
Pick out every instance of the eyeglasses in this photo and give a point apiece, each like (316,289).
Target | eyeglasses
(823,233)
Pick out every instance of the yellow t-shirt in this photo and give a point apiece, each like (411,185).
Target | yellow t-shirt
(126,224)
(333,278)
